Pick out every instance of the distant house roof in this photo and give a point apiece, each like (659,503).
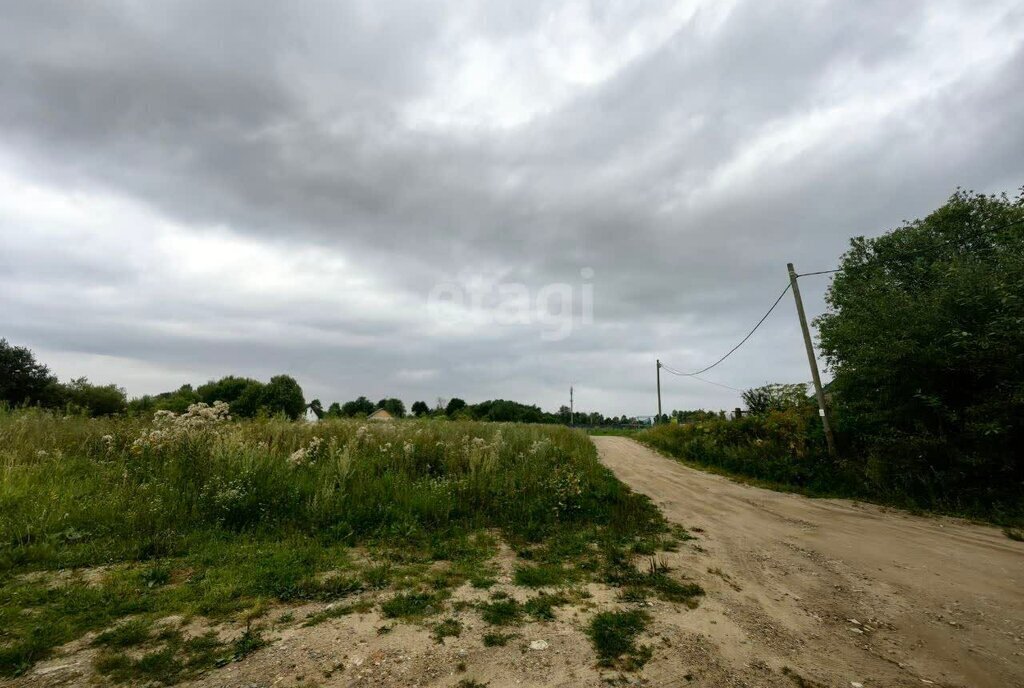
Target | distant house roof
(380,414)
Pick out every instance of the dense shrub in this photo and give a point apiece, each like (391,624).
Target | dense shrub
(779,446)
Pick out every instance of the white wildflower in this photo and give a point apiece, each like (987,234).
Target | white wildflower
(298,457)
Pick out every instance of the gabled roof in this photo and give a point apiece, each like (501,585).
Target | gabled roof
(380,414)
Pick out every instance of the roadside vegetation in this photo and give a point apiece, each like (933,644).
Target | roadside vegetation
(110,525)
(922,336)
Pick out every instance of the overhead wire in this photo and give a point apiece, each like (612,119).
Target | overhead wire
(743,341)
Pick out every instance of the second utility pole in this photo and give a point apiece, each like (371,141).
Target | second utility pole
(819,392)
(658,419)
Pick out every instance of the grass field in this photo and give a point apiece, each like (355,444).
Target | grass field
(104,520)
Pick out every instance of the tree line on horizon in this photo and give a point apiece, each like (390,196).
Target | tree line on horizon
(24,381)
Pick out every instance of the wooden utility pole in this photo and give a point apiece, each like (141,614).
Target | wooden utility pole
(819,392)
(572,420)
(658,419)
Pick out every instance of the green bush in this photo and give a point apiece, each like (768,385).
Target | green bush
(784,447)
(923,334)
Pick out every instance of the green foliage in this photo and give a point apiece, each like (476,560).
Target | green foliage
(923,334)
(231,389)
(542,607)
(542,575)
(501,612)
(283,395)
(780,446)
(177,401)
(393,406)
(360,407)
(95,400)
(23,380)
(614,634)
(174,658)
(696,415)
(250,641)
(449,628)
(206,516)
(496,639)
(454,406)
(411,605)
(775,397)
(128,634)
(420,409)
(619,570)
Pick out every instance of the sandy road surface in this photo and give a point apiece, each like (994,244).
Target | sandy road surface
(840,591)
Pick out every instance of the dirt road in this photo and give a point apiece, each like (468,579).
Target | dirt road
(842,593)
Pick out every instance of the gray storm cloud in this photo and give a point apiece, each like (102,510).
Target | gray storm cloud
(196,189)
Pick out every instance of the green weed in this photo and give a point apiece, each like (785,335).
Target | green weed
(497,639)
(446,629)
(502,612)
(614,634)
(542,607)
(412,605)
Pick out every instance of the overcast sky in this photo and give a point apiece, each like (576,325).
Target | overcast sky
(193,189)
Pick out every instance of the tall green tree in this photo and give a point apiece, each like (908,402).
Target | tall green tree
(420,408)
(925,336)
(454,406)
(359,406)
(775,397)
(283,395)
(96,400)
(23,380)
(393,406)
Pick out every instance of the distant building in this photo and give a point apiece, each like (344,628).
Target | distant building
(380,414)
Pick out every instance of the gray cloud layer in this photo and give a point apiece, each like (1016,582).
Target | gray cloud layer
(204,188)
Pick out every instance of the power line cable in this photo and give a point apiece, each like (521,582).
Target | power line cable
(716,384)
(732,350)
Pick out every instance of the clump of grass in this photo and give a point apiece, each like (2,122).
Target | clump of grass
(338,585)
(155,575)
(1014,534)
(542,607)
(496,639)
(501,612)
(620,571)
(377,577)
(335,612)
(411,605)
(449,628)
(250,641)
(614,634)
(177,659)
(541,575)
(128,634)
